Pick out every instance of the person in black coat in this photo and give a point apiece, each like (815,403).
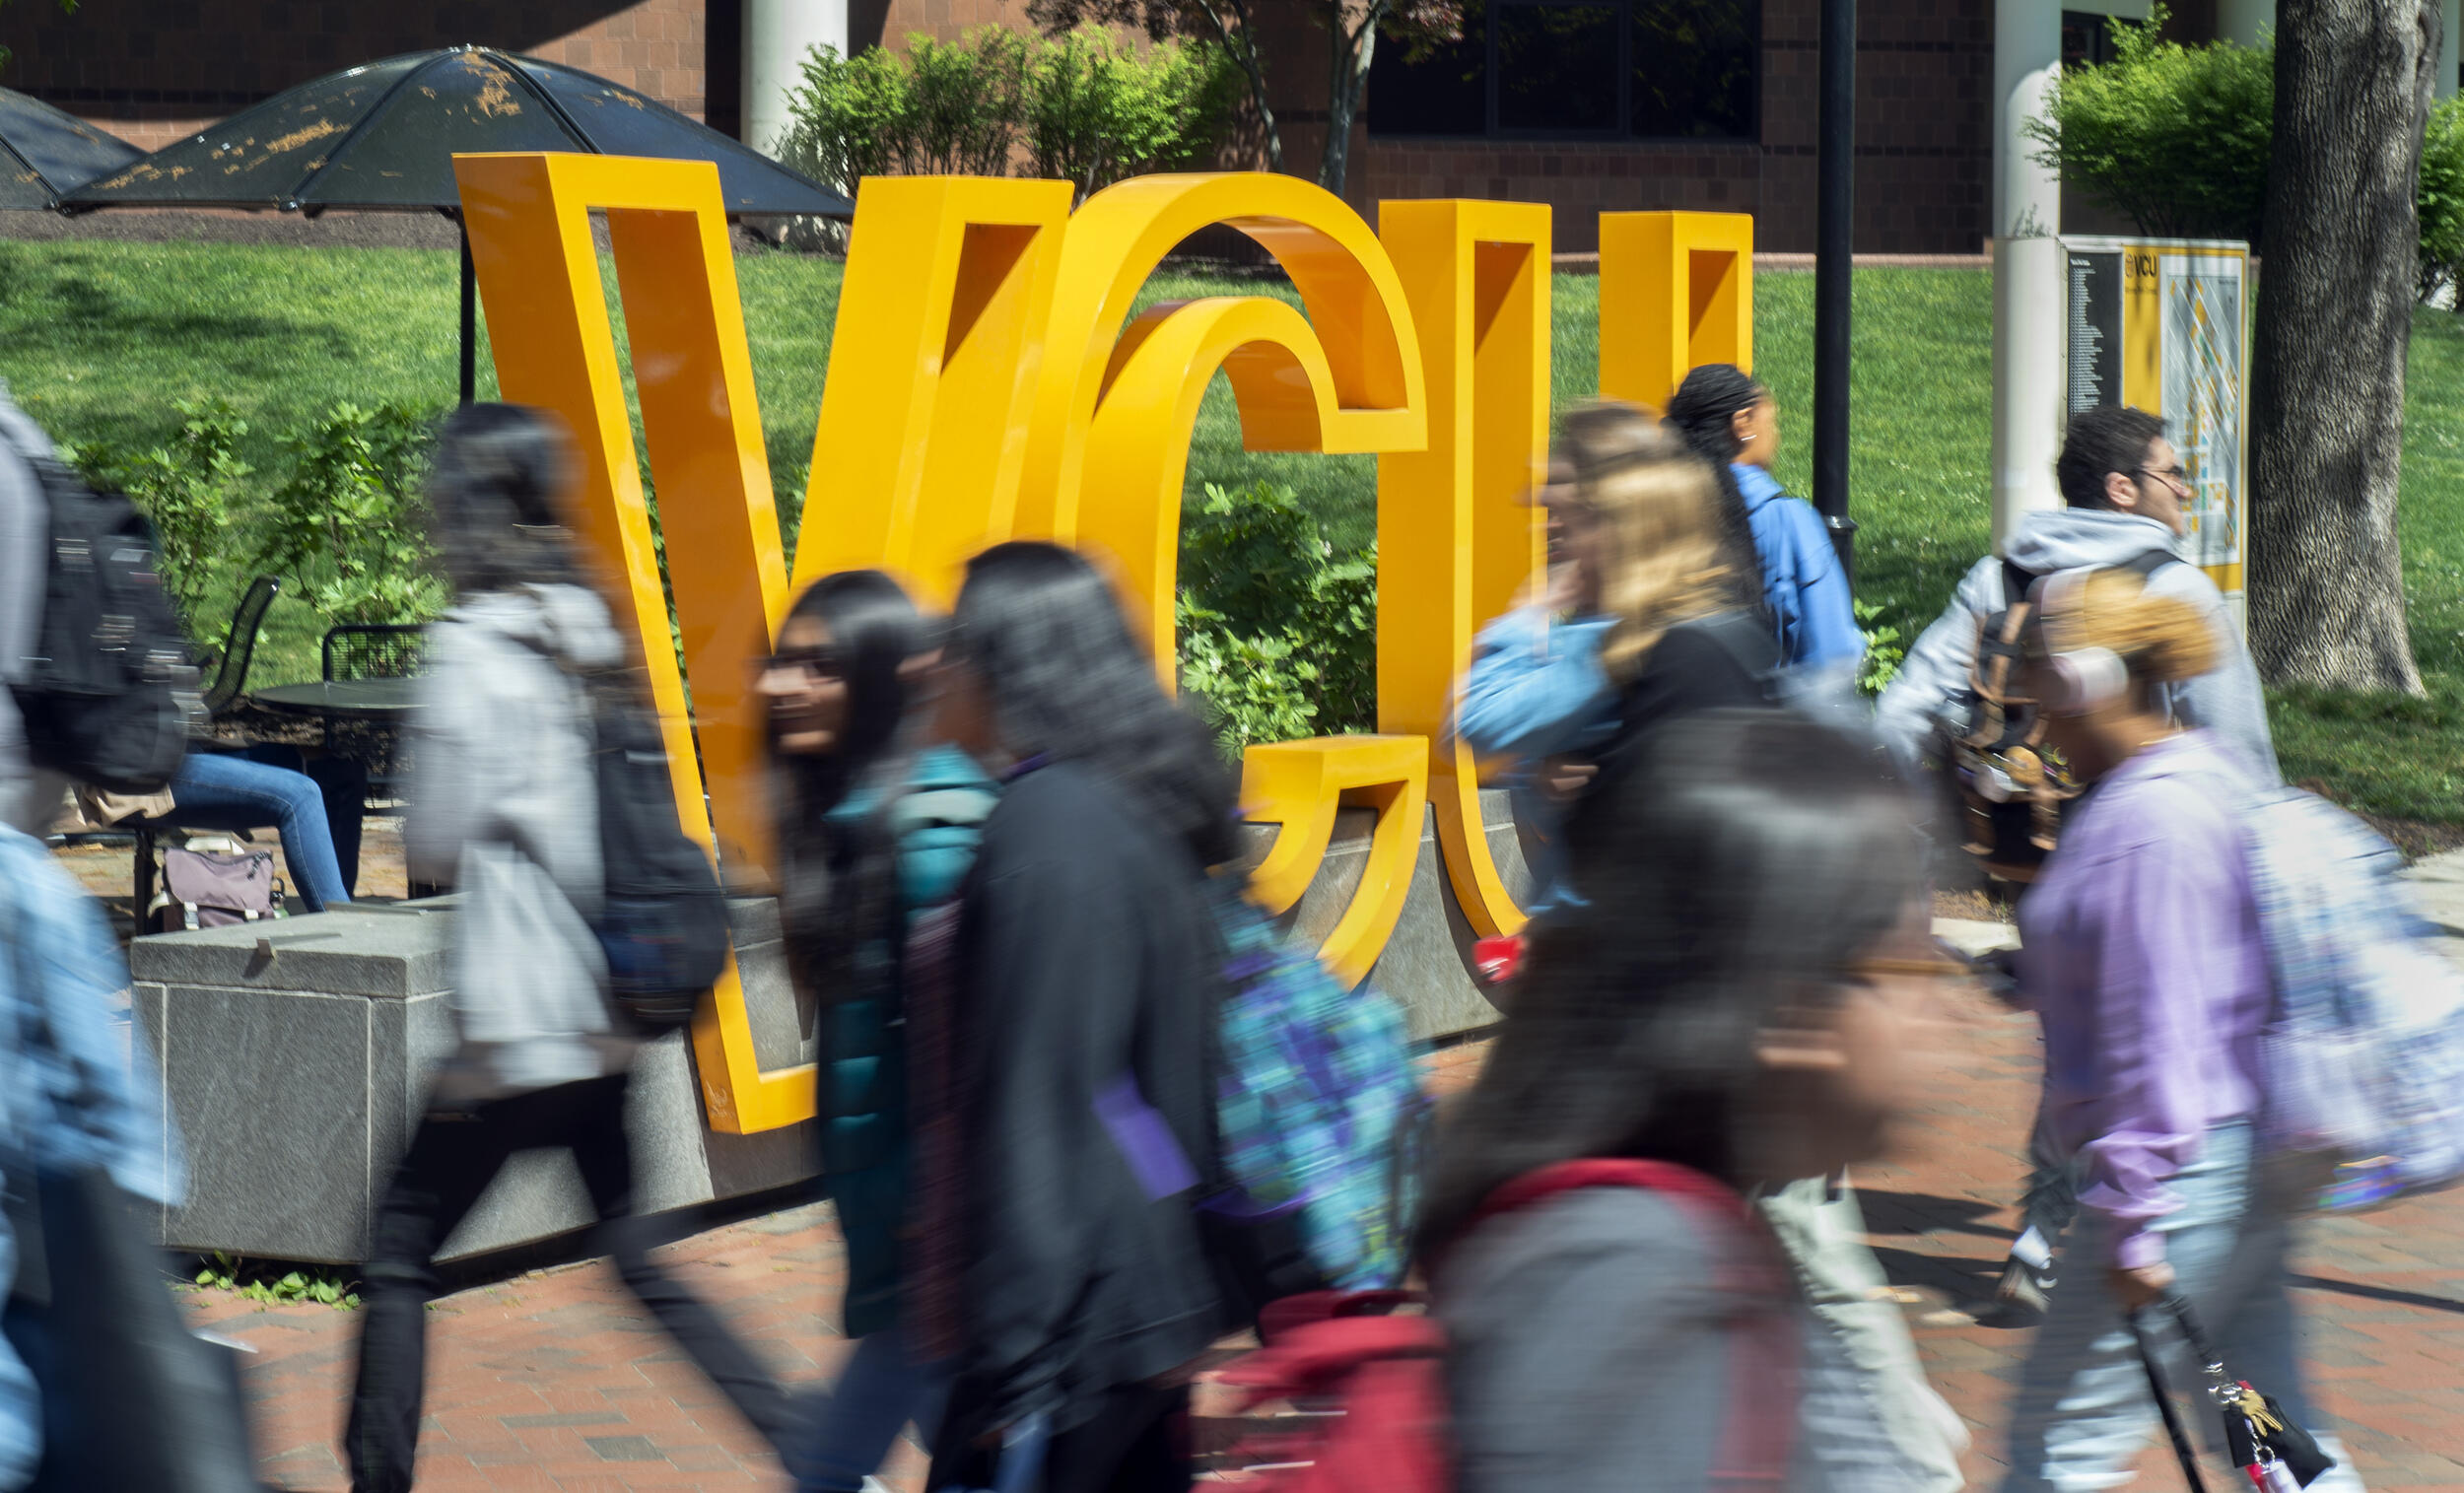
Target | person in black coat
(1062,1139)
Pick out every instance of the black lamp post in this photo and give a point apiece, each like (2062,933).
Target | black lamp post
(1835,202)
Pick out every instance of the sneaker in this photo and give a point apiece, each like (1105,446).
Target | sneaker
(2019,1297)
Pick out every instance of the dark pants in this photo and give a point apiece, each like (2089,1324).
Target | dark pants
(451,1160)
(1138,1442)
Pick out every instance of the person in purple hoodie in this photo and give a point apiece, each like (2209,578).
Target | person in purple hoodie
(2142,956)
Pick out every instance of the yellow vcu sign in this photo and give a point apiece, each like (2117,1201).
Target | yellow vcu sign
(989,382)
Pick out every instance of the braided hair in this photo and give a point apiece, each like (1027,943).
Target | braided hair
(1704,411)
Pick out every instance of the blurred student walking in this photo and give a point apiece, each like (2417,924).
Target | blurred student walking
(1065,1122)
(1741,994)
(1640,624)
(1733,423)
(2142,954)
(874,829)
(506,808)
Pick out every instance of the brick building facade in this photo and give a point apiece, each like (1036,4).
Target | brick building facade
(154,69)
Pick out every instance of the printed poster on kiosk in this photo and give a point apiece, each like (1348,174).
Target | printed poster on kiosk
(2163,324)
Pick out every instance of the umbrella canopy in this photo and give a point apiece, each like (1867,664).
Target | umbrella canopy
(44,153)
(385,135)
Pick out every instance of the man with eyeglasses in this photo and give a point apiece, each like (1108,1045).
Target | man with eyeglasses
(2125,490)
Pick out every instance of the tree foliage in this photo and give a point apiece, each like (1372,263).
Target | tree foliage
(2178,139)
(2174,137)
(1352,28)
(1083,105)
(1277,632)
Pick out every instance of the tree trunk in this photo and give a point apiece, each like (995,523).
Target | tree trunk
(1347,80)
(1237,29)
(2326,588)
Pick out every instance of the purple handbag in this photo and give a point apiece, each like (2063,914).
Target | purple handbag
(205,889)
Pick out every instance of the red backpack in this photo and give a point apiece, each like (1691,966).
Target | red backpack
(1369,1386)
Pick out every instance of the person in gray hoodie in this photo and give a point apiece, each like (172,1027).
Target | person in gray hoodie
(504,807)
(2124,485)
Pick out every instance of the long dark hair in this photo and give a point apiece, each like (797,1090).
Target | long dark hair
(1069,684)
(1704,411)
(496,499)
(838,872)
(1750,860)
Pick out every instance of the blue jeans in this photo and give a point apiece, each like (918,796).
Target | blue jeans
(218,790)
(878,1394)
(2082,1413)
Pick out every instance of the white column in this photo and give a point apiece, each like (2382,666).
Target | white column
(777,33)
(2453,13)
(2243,20)
(2028,50)
(2030,366)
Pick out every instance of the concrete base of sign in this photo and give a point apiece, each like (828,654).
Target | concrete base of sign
(296,1055)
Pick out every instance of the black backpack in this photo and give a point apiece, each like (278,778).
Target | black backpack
(2010,796)
(108,695)
(664,922)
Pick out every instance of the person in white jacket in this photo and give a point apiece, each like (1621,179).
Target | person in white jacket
(504,807)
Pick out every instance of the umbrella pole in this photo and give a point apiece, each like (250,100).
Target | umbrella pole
(470,351)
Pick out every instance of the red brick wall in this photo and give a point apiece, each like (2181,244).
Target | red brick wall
(1924,144)
(155,70)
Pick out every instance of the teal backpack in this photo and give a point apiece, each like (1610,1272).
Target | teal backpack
(1320,1114)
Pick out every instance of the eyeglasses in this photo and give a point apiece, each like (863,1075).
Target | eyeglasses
(2172,476)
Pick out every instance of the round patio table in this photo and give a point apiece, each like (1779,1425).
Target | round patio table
(387,700)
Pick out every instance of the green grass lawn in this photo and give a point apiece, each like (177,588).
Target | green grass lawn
(99,340)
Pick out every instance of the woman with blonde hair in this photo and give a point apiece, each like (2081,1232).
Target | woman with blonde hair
(1639,623)
(2141,955)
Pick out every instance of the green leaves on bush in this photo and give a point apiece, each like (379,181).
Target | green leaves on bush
(2178,138)
(1884,651)
(1277,632)
(1096,112)
(348,524)
(188,490)
(1086,106)
(258,1282)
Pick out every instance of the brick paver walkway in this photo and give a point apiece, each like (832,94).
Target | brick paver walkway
(553,1381)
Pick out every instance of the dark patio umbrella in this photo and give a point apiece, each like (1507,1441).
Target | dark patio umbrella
(383,136)
(44,153)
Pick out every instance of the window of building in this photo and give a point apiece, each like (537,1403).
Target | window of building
(1580,69)
(2086,38)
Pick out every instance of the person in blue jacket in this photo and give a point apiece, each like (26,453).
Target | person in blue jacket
(1731,422)
(874,828)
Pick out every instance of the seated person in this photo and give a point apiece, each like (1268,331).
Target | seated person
(313,803)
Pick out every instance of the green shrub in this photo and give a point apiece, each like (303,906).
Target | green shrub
(2442,199)
(2175,137)
(2178,139)
(190,491)
(347,524)
(1086,106)
(1277,632)
(1096,112)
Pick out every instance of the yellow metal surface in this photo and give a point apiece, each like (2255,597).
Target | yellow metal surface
(1676,291)
(1456,537)
(528,218)
(986,381)
(1137,449)
(932,367)
(1117,237)
(1299,784)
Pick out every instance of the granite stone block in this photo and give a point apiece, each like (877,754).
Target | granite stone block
(270,1091)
